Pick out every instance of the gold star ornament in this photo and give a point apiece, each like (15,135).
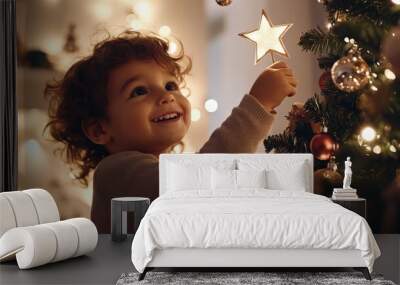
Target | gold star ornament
(268,38)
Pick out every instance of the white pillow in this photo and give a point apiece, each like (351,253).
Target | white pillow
(293,179)
(183,177)
(283,172)
(223,179)
(251,178)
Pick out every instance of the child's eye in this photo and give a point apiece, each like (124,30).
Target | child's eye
(139,91)
(171,86)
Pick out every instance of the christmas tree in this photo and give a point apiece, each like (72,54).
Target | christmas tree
(357,112)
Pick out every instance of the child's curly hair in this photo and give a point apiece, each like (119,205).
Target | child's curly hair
(81,94)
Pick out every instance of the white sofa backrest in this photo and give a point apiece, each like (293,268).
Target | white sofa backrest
(230,161)
(26,208)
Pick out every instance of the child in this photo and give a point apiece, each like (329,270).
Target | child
(117,110)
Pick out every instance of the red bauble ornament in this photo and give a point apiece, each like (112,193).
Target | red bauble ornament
(322,146)
(224,2)
(324,79)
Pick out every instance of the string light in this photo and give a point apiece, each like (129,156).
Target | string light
(377,149)
(195,114)
(211,105)
(389,74)
(368,134)
(392,148)
(374,88)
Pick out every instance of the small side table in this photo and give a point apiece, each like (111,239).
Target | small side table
(119,208)
(358,206)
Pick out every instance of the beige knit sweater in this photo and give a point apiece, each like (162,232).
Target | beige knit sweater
(133,173)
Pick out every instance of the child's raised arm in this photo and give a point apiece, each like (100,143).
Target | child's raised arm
(251,121)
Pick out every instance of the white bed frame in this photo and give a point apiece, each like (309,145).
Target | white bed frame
(250,257)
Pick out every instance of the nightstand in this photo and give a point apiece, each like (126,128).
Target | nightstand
(358,206)
(119,208)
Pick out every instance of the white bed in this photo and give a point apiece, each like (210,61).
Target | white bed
(208,226)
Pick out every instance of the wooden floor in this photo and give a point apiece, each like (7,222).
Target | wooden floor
(110,260)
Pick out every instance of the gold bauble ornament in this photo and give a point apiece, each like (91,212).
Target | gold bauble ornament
(327,178)
(224,2)
(350,73)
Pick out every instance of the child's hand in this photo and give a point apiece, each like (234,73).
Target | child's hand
(273,85)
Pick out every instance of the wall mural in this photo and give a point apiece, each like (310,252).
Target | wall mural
(74,55)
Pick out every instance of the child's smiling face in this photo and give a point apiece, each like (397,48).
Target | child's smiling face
(146,111)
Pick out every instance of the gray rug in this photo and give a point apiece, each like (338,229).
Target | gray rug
(230,278)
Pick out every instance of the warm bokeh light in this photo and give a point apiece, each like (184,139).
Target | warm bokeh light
(374,88)
(390,74)
(196,115)
(174,48)
(54,45)
(211,105)
(144,10)
(397,2)
(136,24)
(185,91)
(130,18)
(178,148)
(164,31)
(368,134)
(377,149)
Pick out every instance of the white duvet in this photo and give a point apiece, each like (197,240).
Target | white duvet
(251,218)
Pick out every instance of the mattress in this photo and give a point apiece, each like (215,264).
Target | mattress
(250,218)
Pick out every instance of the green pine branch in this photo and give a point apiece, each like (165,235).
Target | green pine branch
(367,35)
(280,143)
(320,42)
(379,12)
(314,109)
